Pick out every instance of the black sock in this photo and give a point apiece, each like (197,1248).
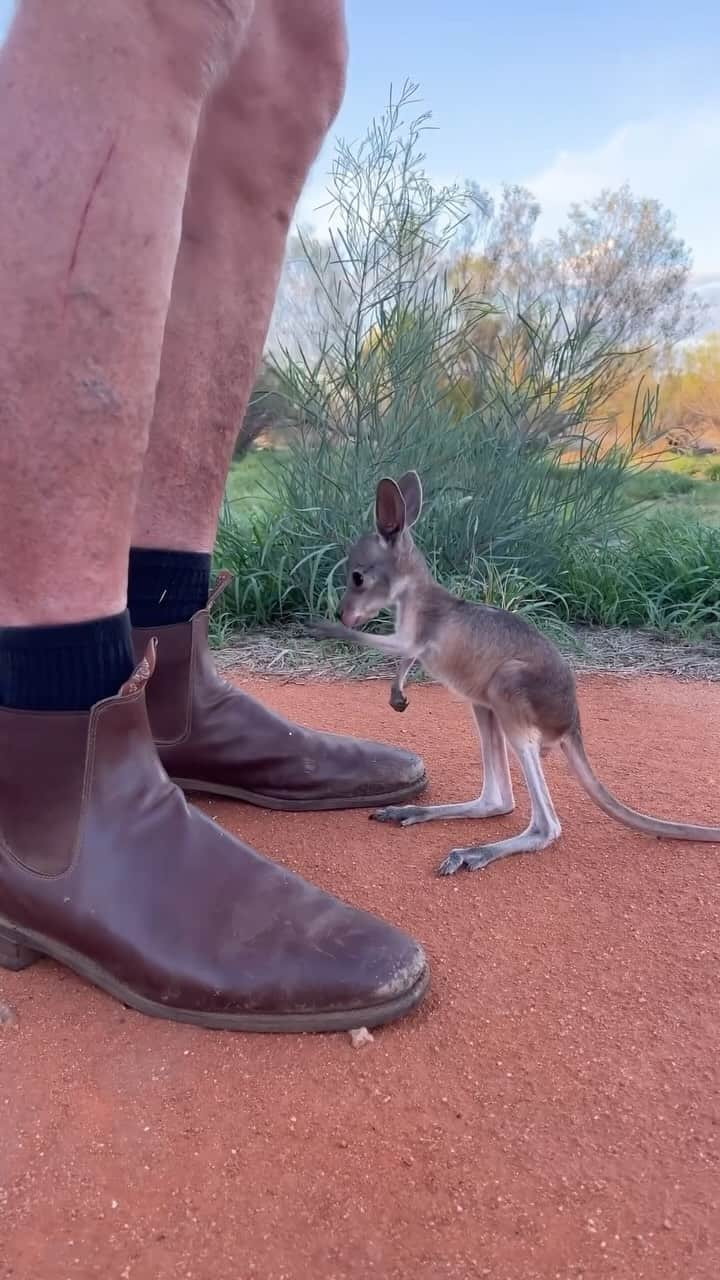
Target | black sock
(165,587)
(66,668)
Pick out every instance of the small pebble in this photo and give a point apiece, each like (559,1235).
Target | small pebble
(8,1018)
(360,1036)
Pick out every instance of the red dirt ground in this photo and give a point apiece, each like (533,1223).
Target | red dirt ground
(552,1111)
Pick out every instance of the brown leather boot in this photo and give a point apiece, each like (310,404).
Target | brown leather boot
(214,738)
(104,867)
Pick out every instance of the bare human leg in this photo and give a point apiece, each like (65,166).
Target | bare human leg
(258,136)
(102,864)
(92,186)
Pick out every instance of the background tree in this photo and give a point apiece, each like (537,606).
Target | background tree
(619,258)
(690,392)
(617,272)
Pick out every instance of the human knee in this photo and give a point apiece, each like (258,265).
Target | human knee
(199,39)
(312,61)
(286,87)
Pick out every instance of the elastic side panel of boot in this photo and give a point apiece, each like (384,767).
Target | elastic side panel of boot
(42,772)
(169,692)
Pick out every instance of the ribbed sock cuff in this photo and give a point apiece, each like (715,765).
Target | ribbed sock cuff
(165,587)
(65,668)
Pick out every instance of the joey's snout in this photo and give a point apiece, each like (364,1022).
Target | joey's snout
(356,607)
(349,615)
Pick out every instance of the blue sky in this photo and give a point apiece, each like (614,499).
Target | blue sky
(566,98)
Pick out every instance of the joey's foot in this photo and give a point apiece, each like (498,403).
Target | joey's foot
(473,858)
(452,863)
(477,857)
(403,815)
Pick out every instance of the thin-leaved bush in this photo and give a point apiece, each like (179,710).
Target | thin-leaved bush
(517,512)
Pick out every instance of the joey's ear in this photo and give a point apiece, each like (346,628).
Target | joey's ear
(411,490)
(389,510)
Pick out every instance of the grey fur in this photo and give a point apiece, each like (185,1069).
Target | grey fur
(521,689)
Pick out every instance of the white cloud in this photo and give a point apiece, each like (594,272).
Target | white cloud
(673,157)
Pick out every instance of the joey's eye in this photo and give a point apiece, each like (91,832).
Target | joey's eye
(357,579)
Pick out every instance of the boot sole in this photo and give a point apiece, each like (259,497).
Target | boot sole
(302,806)
(19,948)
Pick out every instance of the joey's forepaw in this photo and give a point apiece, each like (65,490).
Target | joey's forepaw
(325,630)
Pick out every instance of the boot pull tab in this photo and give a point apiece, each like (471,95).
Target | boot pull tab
(142,673)
(222,581)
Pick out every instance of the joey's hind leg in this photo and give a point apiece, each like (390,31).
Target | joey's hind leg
(496,797)
(542,830)
(497,793)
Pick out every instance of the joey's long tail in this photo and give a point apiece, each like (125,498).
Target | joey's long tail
(572,745)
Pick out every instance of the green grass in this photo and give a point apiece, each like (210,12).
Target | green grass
(689,492)
(659,485)
(660,572)
(688,488)
(702,468)
(250,486)
(664,574)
